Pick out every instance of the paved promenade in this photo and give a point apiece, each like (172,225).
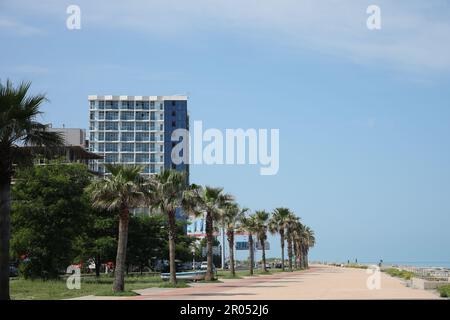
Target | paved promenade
(319,282)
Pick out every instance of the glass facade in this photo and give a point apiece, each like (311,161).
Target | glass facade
(134,131)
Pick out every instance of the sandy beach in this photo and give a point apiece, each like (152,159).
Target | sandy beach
(319,282)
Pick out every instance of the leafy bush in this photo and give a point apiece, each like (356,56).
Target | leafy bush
(407,275)
(444,291)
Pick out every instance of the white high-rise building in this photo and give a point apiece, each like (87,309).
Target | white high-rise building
(136,130)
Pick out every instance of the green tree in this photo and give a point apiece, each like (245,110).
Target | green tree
(231,217)
(119,191)
(146,239)
(291,224)
(249,225)
(262,219)
(278,224)
(49,211)
(166,193)
(19,125)
(98,238)
(211,201)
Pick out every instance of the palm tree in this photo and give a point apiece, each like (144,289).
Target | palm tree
(248,224)
(303,240)
(231,217)
(297,236)
(262,218)
(19,126)
(309,242)
(291,224)
(166,193)
(211,201)
(278,224)
(120,191)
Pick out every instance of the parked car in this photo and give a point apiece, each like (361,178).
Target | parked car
(204,266)
(13,271)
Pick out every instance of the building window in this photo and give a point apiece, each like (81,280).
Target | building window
(127,157)
(112,115)
(161,116)
(101,115)
(112,136)
(161,106)
(111,105)
(127,136)
(142,105)
(161,148)
(142,126)
(142,115)
(142,136)
(101,147)
(111,126)
(127,147)
(101,104)
(127,115)
(101,136)
(111,147)
(142,157)
(152,147)
(174,124)
(174,113)
(127,105)
(127,126)
(92,115)
(142,147)
(101,126)
(111,158)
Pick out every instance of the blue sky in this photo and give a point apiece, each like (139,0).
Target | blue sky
(364,116)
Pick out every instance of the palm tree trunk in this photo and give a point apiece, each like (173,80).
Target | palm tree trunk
(97,266)
(252,255)
(289,241)
(209,247)
(231,248)
(5,231)
(282,248)
(172,234)
(119,273)
(306,259)
(263,247)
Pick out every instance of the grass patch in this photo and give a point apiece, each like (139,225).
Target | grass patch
(356,266)
(444,291)
(179,284)
(22,289)
(407,275)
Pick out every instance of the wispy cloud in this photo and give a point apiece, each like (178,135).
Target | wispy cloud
(14,27)
(414,34)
